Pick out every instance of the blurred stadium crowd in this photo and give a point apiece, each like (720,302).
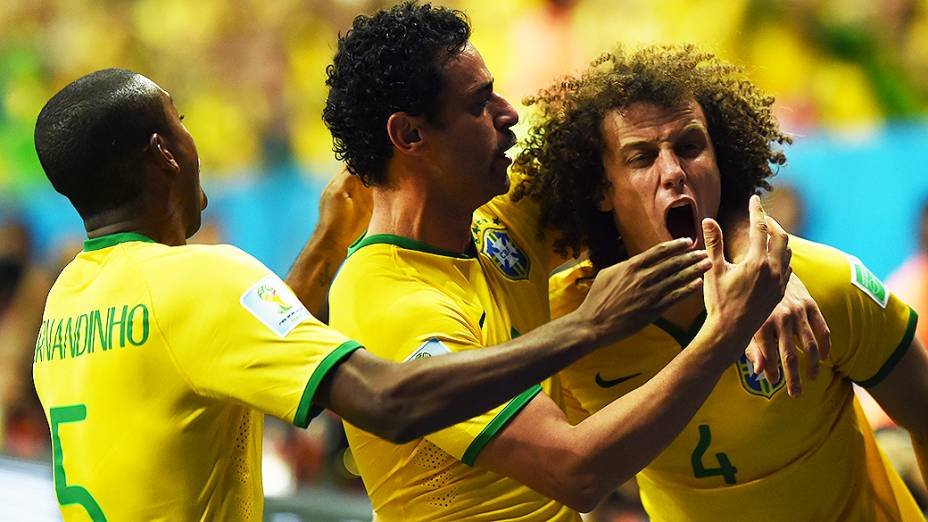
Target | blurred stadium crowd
(249,77)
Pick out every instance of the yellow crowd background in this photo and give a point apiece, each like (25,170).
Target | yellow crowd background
(249,74)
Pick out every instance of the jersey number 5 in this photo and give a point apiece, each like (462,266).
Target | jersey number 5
(725,469)
(72,494)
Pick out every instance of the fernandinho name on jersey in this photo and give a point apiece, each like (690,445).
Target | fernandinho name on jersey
(94,331)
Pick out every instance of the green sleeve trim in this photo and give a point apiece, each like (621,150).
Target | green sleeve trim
(404,242)
(498,423)
(306,411)
(896,355)
(99,243)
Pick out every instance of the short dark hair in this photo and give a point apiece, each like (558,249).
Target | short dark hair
(562,157)
(90,135)
(386,63)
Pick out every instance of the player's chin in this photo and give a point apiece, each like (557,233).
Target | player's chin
(499,172)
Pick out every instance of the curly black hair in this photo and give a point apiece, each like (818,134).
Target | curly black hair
(386,63)
(562,157)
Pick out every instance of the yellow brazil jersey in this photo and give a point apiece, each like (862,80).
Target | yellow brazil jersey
(751,452)
(155,365)
(404,300)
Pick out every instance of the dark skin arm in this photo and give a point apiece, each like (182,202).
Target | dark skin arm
(404,401)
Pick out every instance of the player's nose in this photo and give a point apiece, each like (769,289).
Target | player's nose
(671,171)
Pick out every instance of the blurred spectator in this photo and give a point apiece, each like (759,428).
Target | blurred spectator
(23,288)
(250,79)
(910,281)
(554,50)
(785,205)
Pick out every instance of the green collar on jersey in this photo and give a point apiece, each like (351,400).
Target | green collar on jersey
(683,338)
(109,240)
(404,242)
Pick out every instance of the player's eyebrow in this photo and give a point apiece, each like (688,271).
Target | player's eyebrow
(635,143)
(484,89)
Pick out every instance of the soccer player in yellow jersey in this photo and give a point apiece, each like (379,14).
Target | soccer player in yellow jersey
(639,149)
(449,265)
(157,360)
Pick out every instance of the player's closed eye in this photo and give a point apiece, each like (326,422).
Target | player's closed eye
(640,159)
(690,150)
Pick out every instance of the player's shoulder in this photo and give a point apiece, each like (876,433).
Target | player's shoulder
(391,290)
(383,261)
(820,264)
(197,258)
(833,276)
(381,273)
(567,288)
(204,270)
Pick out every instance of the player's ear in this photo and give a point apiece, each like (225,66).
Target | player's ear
(404,131)
(160,152)
(603,197)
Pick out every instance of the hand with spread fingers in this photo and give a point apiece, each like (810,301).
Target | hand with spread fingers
(632,294)
(740,296)
(796,317)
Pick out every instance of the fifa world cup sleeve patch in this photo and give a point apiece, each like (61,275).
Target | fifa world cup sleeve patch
(864,279)
(275,305)
(431,348)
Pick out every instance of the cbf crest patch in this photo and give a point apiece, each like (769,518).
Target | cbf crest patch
(758,384)
(505,254)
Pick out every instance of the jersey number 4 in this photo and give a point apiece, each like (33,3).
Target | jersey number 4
(725,469)
(70,494)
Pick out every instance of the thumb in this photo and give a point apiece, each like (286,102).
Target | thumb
(712,235)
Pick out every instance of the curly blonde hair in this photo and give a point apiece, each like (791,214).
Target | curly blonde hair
(562,157)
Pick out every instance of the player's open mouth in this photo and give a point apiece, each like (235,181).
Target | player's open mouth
(681,220)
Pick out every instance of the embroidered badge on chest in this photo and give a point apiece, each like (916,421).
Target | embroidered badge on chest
(500,248)
(758,384)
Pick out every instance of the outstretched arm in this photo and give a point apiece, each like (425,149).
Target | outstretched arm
(400,402)
(903,393)
(579,465)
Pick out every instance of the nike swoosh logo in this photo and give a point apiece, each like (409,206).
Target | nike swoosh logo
(603,383)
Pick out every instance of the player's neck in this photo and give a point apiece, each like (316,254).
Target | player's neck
(129,218)
(684,314)
(421,215)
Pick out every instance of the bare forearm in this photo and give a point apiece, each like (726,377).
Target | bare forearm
(621,439)
(314,269)
(447,389)
(405,401)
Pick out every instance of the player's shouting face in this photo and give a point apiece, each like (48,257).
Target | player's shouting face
(662,178)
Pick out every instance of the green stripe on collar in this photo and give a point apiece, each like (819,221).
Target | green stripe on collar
(99,243)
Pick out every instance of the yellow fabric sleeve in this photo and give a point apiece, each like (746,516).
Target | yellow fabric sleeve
(871,328)
(236,332)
